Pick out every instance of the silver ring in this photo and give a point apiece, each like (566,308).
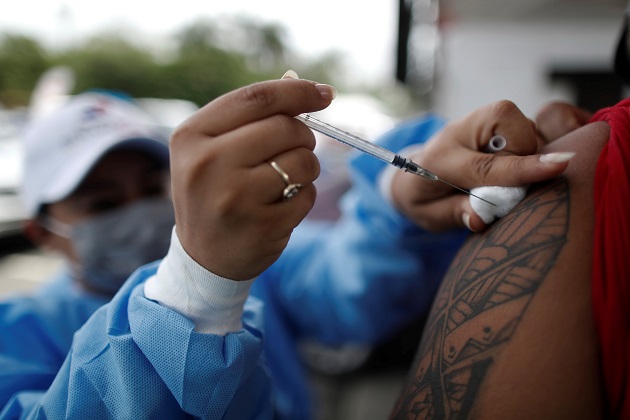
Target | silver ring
(291,189)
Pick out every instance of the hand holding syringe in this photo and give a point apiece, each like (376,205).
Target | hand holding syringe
(377,151)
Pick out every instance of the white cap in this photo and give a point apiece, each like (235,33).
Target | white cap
(61,147)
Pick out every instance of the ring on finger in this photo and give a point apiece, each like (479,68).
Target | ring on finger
(290,190)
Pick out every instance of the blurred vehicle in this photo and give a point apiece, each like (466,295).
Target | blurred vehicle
(11,211)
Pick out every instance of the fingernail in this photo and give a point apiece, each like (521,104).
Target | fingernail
(328,92)
(557,157)
(466,220)
(290,74)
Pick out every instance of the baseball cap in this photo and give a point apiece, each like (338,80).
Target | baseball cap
(61,147)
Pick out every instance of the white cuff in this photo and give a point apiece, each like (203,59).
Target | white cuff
(213,303)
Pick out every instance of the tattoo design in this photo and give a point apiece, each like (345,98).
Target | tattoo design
(499,270)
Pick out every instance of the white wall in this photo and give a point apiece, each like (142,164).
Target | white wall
(487,61)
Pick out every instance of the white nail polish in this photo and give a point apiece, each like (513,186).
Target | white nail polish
(290,74)
(328,92)
(557,157)
(466,220)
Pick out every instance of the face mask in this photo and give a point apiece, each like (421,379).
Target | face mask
(113,245)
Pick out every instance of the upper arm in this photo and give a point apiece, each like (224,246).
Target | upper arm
(511,331)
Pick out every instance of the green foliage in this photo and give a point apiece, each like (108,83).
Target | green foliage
(210,58)
(112,63)
(22,60)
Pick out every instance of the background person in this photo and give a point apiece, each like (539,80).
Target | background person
(96,190)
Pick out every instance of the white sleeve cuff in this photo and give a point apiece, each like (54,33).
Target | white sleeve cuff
(386,176)
(213,303)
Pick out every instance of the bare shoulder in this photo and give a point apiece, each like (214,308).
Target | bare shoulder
(511,332)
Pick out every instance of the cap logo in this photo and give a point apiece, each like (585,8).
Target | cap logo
(96,121)
(93,112)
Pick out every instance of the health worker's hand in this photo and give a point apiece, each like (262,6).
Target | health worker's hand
(453,154)
(556,119)
(229,208)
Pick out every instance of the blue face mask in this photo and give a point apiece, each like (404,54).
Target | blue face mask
(111,246)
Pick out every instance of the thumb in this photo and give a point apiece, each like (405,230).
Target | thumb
(508,171)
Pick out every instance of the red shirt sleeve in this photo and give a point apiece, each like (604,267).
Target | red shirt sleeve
(611,258)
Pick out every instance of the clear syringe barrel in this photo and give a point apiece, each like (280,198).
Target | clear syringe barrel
(366,146)
(349,139)
(377,151)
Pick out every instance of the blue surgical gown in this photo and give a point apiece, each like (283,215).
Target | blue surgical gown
(357,280)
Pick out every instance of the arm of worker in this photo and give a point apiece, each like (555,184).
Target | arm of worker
(36,334)
(135,357)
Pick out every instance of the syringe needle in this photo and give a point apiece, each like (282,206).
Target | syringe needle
(375,150)
(411,166)
(464,191)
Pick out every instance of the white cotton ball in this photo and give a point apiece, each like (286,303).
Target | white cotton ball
(505,198)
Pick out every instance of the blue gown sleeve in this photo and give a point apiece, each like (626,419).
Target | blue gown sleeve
(137,359)
(36,334)
(368,273)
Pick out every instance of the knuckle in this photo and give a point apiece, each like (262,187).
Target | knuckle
(179,136)
(289,128)
(299,132)
(258,95)
(504,107)
(310,164)
(546,112)
(482,166)
(281,125)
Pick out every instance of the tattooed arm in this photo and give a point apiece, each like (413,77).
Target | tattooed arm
(511,332)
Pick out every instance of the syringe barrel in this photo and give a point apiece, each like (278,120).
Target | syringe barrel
(347,138)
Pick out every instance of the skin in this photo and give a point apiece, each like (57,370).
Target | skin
(237,225)
(511,333)
(556,119)
(454,155)
(228,207)
(120,178)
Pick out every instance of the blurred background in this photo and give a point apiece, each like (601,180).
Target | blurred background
(390,60)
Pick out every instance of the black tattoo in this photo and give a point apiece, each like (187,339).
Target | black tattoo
(501,269)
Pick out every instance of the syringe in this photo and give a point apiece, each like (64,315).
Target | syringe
(375,150)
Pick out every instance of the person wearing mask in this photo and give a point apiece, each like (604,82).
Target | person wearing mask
(210,330)
(96,192)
